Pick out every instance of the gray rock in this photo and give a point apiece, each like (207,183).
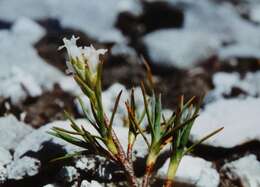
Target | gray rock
(12,132)
(23,167)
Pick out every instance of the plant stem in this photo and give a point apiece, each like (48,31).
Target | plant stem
(147,176)
(173,166)
(128,167)
(149,168)
(122,158)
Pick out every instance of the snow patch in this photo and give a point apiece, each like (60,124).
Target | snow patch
(239,117)
(77,14)
(194,171)
(23,167)
(246,169)
(224,82)
(180,48)
(93,183)
(12,132)
(5,156)
(20,63)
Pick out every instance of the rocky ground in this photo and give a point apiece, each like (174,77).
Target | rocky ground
(193,47)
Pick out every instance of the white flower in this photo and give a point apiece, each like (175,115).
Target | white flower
(92,55)
(74,51)
(81,55)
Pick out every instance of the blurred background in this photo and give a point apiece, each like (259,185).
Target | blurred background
(194,47)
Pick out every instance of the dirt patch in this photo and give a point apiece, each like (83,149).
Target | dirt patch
(49,107)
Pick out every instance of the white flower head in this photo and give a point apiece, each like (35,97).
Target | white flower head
(92,56)
(81,55)
(74,51)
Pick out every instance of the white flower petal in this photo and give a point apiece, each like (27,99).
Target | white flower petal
(87,55)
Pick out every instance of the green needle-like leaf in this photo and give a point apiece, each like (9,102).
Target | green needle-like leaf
(73,123)
(114,111)
(203,139)
(67,156)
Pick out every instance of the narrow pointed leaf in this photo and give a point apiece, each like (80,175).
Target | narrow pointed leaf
(114,110)
(203,139)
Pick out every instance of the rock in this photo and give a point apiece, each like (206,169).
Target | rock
(23,167)
(5,156)
(245,169)
(12,132)
(180,48)
(193,171)
(239,117)
(79,14)
(93,183)
(19,73)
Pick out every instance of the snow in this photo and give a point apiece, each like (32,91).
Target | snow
(77,14)
(27,30)
(41,140)
(255,13)
(239,51)
(23,167)
(20,63)
(109,96)
(194,171)
(68,174)
(93,183)
(239,117)
(34,142)
(5,156)
(222,20)
(49,185)
(245,169)
(85,163)
(3,174)
(180,48)
(124,50)
(12,132)
(207,26)
(224,82)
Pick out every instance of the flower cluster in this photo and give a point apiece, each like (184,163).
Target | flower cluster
(83,60)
